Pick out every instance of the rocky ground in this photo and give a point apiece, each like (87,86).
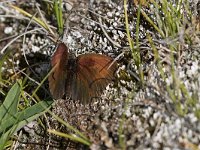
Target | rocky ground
(128,115)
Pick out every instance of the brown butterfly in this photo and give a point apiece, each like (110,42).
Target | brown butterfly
(81,78)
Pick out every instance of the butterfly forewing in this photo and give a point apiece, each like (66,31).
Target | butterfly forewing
(57,78)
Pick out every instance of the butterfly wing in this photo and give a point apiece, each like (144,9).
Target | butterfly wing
(92,74)
(57,78)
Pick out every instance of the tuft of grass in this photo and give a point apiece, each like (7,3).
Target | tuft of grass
(134,46)
(57,5)
(170,21)
(11,119)
(39,21)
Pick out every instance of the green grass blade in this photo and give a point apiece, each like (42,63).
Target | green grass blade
(29,15)
(21,119)
(4,139)
(9,106)
(71,137)
(25,116)
(59,15)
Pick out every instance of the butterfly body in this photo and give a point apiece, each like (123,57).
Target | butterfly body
(81,78)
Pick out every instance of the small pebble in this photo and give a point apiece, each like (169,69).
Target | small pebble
(8,30)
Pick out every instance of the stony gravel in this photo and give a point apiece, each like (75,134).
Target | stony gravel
(138,117)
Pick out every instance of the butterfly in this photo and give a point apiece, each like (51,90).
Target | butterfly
(81,78)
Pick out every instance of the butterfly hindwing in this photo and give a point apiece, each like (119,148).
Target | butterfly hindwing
(92,74)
